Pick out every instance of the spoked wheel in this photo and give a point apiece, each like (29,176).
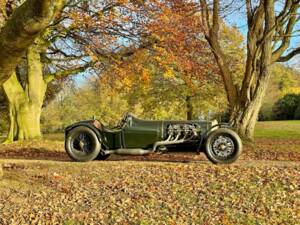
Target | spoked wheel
(82,144)
(223,146)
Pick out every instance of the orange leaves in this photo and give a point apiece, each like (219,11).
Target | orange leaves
(177,51)
(181,46)
(145,76)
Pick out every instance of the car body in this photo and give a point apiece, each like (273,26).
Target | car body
(88,140)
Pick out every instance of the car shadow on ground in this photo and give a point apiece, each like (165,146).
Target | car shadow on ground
(60,156)
(168,157)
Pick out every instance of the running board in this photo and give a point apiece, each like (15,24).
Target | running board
(132,151)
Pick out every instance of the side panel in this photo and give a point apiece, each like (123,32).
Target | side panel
(142,133)
(113,139)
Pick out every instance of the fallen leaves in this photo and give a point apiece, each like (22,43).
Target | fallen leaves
(148,193)
(169,188)
(1,171)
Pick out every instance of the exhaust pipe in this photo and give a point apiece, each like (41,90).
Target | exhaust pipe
(138,152)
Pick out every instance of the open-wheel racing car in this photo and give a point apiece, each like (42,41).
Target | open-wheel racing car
(89,140)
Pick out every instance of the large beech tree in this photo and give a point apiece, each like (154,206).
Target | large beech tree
(21,29)
(269,36)
(63,49)
(26,98)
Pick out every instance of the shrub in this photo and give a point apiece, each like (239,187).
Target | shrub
(285,108)
(297,112)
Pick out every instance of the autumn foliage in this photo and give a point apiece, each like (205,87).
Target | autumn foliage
(167,42)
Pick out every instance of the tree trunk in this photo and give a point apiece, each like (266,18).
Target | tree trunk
(25,105)
(244,118)
(24,122)
(245,113)
(189,108)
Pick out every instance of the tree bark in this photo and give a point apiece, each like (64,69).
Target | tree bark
(25,104)
(21,29)
(245,113)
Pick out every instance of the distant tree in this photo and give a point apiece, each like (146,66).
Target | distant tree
(297,111)
(284,80)
(286,107)
(92,98)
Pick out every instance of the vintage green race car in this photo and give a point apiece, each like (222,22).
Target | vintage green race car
(88,140)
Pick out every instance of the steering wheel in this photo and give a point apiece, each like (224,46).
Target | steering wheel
(123,120)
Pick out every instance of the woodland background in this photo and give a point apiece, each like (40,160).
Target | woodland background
(132,57)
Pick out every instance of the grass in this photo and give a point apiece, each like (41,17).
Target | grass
(269,129)
(278,129)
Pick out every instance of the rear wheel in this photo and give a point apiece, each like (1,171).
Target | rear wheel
(82,144)
(223,146)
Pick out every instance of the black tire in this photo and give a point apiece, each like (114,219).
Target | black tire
(223,146)
(82,144)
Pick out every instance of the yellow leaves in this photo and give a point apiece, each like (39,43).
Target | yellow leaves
(291,90)
(1,172)
(169,73)
(127,82)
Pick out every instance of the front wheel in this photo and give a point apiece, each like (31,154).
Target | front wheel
(223,146)
(82,144)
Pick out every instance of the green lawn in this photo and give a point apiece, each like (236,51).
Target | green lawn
(269,129)
(278,129)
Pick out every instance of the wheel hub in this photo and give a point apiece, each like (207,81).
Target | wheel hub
(83,143)
(223,146)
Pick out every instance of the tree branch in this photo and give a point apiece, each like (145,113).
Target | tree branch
(286,39)
(289,55)
(212,36)
(21,29)
(64,73)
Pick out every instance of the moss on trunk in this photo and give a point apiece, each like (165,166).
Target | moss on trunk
(25,104)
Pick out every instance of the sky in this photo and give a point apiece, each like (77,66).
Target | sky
(238,19)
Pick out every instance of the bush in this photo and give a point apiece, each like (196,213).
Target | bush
(297,112)
(286,107)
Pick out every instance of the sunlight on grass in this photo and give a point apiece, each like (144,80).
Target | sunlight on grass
(278,129)
(269,129)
